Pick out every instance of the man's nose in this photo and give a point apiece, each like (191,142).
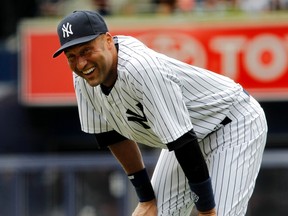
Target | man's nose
(81,62)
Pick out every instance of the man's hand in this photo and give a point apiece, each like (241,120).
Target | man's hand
(146,209)
(212,212)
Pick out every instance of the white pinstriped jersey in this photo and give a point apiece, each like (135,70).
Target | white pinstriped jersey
(156,99)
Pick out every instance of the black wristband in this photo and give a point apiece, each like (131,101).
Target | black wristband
(203,195)
(142,184)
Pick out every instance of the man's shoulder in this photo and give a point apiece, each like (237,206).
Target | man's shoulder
(125,38)
(130,51)
(129,42)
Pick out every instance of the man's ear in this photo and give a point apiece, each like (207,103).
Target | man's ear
(109,39)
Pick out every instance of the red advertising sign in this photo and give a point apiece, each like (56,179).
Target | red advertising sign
(253,55)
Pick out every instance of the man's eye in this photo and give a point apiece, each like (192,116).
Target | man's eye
(86,52)
(71,58)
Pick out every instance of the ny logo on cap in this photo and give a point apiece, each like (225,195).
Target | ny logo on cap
(67,31)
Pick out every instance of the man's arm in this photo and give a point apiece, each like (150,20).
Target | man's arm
(129,156)
(191,160)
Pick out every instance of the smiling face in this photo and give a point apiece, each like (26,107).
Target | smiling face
(95,61)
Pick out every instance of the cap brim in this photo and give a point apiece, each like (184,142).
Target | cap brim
(73,43)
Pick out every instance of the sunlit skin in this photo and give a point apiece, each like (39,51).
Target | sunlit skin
(95,61)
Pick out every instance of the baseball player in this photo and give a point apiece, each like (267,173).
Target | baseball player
(211,131)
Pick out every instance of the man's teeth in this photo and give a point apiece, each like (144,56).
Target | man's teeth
(88,71)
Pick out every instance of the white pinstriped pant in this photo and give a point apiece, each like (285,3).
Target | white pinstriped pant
(233,154)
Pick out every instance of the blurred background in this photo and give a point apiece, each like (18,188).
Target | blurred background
(48,167)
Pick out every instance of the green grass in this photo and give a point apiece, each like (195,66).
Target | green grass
(198,18)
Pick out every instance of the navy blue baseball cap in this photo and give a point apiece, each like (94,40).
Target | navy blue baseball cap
(79,27)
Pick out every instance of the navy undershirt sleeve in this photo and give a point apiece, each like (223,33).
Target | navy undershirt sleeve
(108,138)
(190,157)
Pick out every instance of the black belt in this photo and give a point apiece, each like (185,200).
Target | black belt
(225,121)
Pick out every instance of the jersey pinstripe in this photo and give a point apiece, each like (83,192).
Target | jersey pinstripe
(156,99)
(233,155)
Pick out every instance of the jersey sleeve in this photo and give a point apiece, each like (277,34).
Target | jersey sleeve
(164,105)
(90,120)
